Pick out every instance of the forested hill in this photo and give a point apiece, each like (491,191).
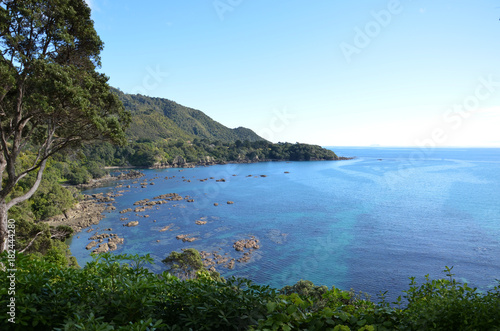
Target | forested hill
(158,118)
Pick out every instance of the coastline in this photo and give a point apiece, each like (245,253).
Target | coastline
(90,211)
(182,164)
(92,207)
(93,183)
(84,214)
(78,245)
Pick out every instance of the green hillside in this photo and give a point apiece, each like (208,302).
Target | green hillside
(158,118)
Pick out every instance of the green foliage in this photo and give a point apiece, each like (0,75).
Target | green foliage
(208,304)
(109,294)
(316,308)
(96,169)
(77,175)
(50,199)
(147,152)
(144,155)
(106,291)
(185,264)
(117,292)
(52,98)
(447,304)
(157,118)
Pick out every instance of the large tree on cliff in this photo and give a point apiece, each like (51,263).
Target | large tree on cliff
(51,96)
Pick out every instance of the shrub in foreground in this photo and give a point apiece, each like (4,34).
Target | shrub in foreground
(117,292)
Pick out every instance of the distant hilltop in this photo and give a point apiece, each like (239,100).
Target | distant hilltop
(165,134)
(158,118)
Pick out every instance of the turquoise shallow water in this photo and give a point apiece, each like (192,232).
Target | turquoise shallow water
(368,223)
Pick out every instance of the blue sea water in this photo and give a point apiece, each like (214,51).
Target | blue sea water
(367,223)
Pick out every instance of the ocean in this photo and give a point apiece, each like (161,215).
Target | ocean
(366,224)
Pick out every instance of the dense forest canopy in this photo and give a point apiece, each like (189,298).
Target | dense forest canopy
(155,118)
(51,95)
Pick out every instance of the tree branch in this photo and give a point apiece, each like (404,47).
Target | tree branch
(31,242)
(32,190)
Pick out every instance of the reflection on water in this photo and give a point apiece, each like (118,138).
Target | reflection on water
(367,223)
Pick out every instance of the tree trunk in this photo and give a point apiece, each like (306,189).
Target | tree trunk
(4,207)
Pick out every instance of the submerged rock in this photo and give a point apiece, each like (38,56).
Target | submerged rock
(251,243)
(91,245)
(103,248)
(185,238)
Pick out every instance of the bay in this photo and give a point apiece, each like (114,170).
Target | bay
(367,223)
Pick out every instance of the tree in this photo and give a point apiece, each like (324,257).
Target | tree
(51,96)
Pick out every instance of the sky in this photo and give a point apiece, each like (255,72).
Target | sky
(421,73)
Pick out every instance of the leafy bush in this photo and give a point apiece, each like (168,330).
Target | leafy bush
(446,304)
(106,291)
(77,175)
(117,292)
(96,169)
(208,304)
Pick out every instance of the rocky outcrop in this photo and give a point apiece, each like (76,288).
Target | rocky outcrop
(249,244)
(116,240)
(132,223)
(84,214)
(91,245)
(103,248)
(109,246)
(169,197)
(178,161)
(206,161)
(165,228)
(185,238)
(141,202)
(243,244)
(131,174)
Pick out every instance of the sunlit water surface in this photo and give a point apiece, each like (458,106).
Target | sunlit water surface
(368,223)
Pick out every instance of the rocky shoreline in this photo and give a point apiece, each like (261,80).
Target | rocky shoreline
(131,174)
(89,212)
(180,162)
(85,213)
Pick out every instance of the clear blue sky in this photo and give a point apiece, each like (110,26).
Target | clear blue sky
(336,73)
